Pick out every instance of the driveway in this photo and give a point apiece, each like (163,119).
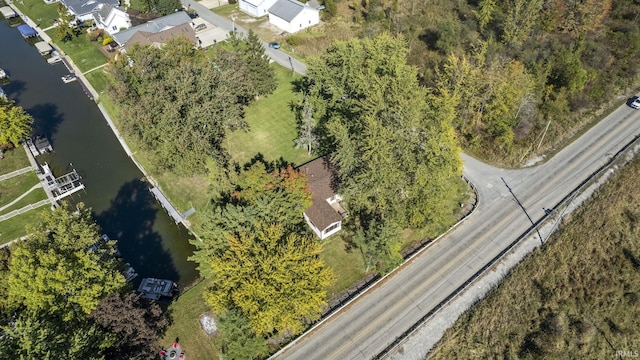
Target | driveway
(225,25)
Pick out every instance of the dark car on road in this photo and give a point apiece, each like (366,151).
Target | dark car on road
(634,102)
(274,45)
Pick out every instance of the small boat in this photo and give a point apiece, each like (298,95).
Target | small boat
(3,74)
(69,78)
(54,58)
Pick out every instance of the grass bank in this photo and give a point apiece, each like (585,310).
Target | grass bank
(15,227)
(576,297)
(14,159)
(185,313)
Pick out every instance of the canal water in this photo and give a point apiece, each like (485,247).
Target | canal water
(115,189)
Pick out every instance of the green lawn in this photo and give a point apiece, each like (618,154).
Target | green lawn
(16,186)
(99,80)
(84,53)
(185,313)
(31,198)
(42,14)
(14,159)
(225,10)
(14,228)
(347,264)
(272,127)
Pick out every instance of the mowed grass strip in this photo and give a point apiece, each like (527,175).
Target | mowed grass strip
(578,297)
(13,187)
(42,14)
(31,198)
(15,227)
(185,312)
(272,126)
(345,262)
(13,160)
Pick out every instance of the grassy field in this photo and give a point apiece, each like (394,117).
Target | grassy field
(99,80)
(185,313)
(84,53)
(16,186)
(577,297)
(14,228)
(42,14)
(14,159)
(272,127)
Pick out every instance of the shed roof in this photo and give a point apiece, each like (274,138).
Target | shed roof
(43,47)
(154,26)
(322,183)
(27,31)
(287,9)
(8,12)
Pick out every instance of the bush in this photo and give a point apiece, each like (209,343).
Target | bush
(107,40)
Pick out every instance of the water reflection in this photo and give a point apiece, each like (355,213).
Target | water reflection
(81,138)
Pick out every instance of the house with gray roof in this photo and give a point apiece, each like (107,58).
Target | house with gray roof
(292,15)
(158,31)
(326,213)
(112,19)
(84,9)
(256,8)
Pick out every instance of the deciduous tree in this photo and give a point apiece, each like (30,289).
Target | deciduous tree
(275,278)
(15,123)
(55,270)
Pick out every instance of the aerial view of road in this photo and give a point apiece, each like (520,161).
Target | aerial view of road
(367,326)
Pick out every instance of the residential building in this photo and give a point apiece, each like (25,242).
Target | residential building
(255,8)
(84,9)
(292,15)
(158,31)
(112,19)
(325,214)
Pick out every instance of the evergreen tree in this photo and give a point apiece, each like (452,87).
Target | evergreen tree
(238,341)
(307,137)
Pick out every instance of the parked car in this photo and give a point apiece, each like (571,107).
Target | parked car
(200,27)
(634,102)
(274,45)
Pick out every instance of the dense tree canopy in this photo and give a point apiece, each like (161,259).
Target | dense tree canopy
(51,283)
(260,258)
(393,143)
(15,123)
(177,102)
(275,278)
(55,271)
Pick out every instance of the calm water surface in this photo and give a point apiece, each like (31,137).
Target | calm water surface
(81,138)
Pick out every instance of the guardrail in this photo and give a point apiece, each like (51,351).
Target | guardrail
(535,227)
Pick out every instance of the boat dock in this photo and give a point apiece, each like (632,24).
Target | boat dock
(175,215)
(154,289)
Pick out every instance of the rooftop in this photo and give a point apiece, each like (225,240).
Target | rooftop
(322,185)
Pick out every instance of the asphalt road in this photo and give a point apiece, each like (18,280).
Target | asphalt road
(276,55)
(374,320)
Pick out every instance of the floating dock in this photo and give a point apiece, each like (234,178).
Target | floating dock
(63,186)
(154,289)
(175,215)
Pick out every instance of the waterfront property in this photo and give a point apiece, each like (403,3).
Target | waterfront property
(39,145)
(84,9)
(158,31)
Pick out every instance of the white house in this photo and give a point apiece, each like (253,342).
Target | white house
(84,9)
(292,15)
(325,214)
(256,8)
(112,19)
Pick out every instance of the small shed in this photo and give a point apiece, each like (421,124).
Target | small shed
(27,31)
(8,12)
(44,48)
